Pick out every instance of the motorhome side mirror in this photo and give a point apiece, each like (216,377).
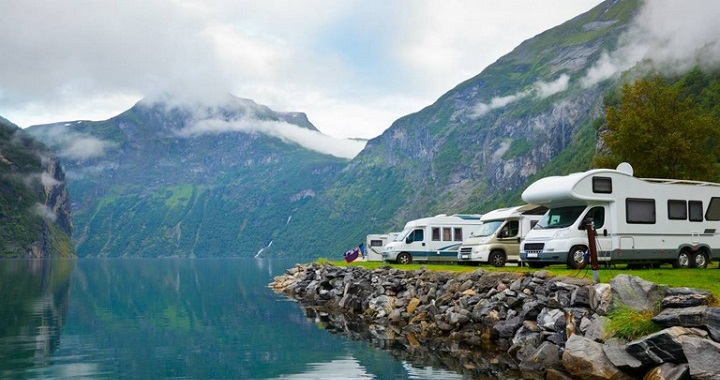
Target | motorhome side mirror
(408,240)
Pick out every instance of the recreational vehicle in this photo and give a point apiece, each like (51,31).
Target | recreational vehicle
(431,239)
(375,243)
(636,221)
(498,238)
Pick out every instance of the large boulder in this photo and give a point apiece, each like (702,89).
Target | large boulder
(663,346)
(585,359)
(703,356)
(636,294)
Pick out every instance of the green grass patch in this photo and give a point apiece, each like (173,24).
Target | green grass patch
(630,324)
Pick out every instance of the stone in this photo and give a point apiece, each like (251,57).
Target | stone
(580,296)
(712,322)
(619,357)
(685,300)
(635,293)
(601,298)
(545,357)
(685,317)
(585,359)
(507,328)
(703,357)
(412,305)
(596,329)
(668,371)
(551,319)
(660,347)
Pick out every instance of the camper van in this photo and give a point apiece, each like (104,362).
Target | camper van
(433,239)
(498,238)
(375,243)
(636,221)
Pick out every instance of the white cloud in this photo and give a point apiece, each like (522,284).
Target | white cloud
(76,145)
(673,35)
(539,89)
(306,138)
(44,211)
(334,60)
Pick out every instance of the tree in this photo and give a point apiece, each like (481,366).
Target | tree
(662,131)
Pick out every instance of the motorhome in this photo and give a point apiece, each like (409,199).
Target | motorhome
(433,239)
(375,243)
(498,238)
(635,220)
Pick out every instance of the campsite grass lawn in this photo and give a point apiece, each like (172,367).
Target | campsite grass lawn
(706,279)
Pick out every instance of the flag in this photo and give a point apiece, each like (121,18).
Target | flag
(355,253)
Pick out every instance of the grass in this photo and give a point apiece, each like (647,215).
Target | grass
(706,279)
(629,324)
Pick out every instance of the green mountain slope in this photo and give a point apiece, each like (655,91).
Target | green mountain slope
(191,181)
(474,149)
(35,219)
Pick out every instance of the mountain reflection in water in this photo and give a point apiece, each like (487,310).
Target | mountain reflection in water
(175,318)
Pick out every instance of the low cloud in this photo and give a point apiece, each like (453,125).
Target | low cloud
(306,138)
(44,211)
(670,36)
(538,90)
(76,145)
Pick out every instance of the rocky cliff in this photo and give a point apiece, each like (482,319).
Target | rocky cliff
(34,202)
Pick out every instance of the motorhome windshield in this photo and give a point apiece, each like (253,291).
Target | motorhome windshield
(560,217)
(402,235)
(487,228)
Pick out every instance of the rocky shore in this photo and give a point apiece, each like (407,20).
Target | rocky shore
(513,325)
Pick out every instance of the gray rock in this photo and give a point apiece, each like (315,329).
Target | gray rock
(619,357)
(507,328)
(636,293)
(596,329)
(585,359)
(712,322)
(703,356)
(660,347)
(685,317)
(550,319)
(580,296)
(685,300)
(545,357)
(601,298)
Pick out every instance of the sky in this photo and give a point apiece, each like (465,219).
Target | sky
(353,66)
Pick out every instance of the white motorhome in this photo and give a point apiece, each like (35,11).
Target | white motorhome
(375,243)
(498,238)
(636,220)
(432,239)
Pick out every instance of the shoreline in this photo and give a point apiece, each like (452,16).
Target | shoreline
(543,326)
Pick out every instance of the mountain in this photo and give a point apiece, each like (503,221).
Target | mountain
(35,217)
(187,179)
(531,113)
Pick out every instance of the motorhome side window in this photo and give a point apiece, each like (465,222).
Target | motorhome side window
(602,185)
(677,209)
(447,234)
(695,211)
(458,234)
(640,211)
(597,214)
(436,233)
(713,210)
(376,243)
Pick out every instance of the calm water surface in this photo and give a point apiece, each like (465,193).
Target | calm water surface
(172,319)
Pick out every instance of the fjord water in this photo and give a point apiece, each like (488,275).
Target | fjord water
(172,319)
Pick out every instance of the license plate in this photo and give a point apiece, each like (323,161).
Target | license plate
(464,256)
(532,255)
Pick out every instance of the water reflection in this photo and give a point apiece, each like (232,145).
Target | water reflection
(35,296)
(487,362)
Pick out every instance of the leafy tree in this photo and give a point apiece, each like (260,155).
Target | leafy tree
(663,131)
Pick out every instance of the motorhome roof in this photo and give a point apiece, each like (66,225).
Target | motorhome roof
(510,212)
(446,219)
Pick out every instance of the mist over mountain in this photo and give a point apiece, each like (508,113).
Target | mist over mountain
(190,179)
(35,216)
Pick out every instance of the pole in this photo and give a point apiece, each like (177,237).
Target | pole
(593,250)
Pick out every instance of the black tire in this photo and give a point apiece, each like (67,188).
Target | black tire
(535,265)
(497,258)
(404,258)
(576,257)
(700,260)
(684,260)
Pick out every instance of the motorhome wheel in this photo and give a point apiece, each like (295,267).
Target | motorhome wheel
(683,260)
(576,257)
(700,260)
(497,258)
(404,258)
